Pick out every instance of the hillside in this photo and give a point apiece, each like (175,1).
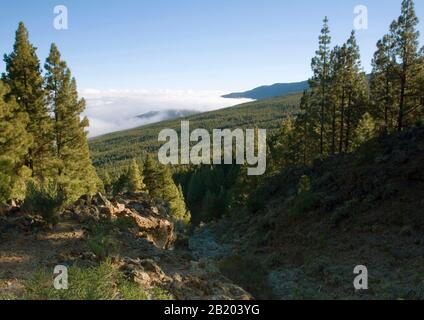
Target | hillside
(367,207)
(275,90)
(117,147)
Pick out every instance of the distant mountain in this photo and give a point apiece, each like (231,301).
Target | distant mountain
(275,90)
(163,115)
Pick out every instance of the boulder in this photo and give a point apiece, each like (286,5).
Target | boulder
(153,223)
(157,230)
(145,272)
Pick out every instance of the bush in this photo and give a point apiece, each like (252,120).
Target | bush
(97,283)
(46,200)
(305,202)
(349,208)
(103,246)
(304,185)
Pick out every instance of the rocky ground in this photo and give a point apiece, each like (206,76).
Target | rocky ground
(141,246)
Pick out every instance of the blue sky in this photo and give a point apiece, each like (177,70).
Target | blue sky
(135,56)
(192,44)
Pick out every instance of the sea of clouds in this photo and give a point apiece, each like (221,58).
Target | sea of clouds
(115,110)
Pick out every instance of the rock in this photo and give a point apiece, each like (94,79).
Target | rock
(136,206)
(205,284)
(145,272)
(88,256)
(158,230)
(12,203)
(154,210)
(25,223)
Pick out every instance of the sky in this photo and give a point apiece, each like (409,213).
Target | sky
(189,49)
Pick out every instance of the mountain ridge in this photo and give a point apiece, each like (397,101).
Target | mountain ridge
(270,91)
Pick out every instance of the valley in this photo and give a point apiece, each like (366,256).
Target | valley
(320,197)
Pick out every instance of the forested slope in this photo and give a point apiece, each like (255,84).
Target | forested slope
(113,149)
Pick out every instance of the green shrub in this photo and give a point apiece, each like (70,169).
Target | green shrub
(304,185)
(305,202)
(46,200)
(305,199)
(367,153)
(103,246)
(348,209)
(123,223)
(97,283)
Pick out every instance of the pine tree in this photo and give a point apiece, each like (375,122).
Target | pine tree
(120,184)
(337,101)
(348,97)
(357,91)
(107,183)
(285,146)
(152,177)
(14,141)
(383,84)
(405,45)
(160,184)
(195,189)
(320,80)
(308,137)
(75,172)
(178,206)
(24,78)
(135,178)
(365,131)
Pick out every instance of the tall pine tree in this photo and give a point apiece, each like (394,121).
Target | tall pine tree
(135,178)
(24,78)
(74,169)
(405,45)
(383,84)
(320,80)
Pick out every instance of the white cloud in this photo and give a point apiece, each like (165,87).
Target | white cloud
(114,110)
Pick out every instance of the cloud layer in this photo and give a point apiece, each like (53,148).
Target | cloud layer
(115,110)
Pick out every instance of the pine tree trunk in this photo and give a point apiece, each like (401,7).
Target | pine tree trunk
(342,122)
(348,123)
(321,148)
(387,106)
(402,92)
(401,104)
(333,133)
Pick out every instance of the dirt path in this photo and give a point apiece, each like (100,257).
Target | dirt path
(22,253)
